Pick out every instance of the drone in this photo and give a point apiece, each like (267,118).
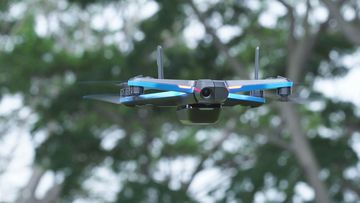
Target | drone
(197,102)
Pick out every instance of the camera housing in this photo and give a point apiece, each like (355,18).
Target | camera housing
(210,92)
(198,114)
(209,96)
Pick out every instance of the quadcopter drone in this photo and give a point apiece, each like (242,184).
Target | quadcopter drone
(200,101)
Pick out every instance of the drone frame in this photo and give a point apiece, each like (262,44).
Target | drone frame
(197,101)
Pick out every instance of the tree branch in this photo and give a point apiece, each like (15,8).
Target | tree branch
(234,63)
(113,117)
(290,14)
(300,54)
(52,194)
(351,31)
(297,61)
(298,58)
(300,49)
(306,24)
(9,157)
(350,185)
(207,154)
(275,139)
(27,194)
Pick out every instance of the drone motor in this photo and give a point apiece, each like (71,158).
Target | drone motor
(284,91)
(126,90)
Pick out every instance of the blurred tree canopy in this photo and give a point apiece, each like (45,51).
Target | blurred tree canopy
(259,155)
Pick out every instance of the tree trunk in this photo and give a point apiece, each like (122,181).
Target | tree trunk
(303,152)
(298,58)
(27,194)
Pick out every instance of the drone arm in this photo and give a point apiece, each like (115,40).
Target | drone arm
(250,85)
(236,99)
(168,98)
(185,86)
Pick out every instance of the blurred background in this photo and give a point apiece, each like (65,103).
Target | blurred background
(56,147)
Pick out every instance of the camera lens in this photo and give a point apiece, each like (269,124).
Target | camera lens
(205,92)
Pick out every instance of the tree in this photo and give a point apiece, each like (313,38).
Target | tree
(275,147)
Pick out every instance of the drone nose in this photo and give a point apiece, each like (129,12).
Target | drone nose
(210,91)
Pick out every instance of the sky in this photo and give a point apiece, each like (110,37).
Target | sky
(19,142)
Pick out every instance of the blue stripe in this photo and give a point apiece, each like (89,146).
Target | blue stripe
(262,86)
(159,95)
(246,98)
(160,86)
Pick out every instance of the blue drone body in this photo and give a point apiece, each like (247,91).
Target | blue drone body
(197,101)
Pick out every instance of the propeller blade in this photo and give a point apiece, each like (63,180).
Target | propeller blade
(98,82)
(111,98)
(297,99)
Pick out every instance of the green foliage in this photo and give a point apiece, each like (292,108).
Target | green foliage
(50,78)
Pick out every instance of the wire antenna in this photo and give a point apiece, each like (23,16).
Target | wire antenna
(257,60)
(160,62)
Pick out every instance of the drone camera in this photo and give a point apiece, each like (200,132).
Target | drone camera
(210,91)
(206,93)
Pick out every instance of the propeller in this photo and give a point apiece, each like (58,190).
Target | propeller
(291,99)
(300,95)
(99,82)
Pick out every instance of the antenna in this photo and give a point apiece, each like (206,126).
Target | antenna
(257,55)
(257,93)
(160,62)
